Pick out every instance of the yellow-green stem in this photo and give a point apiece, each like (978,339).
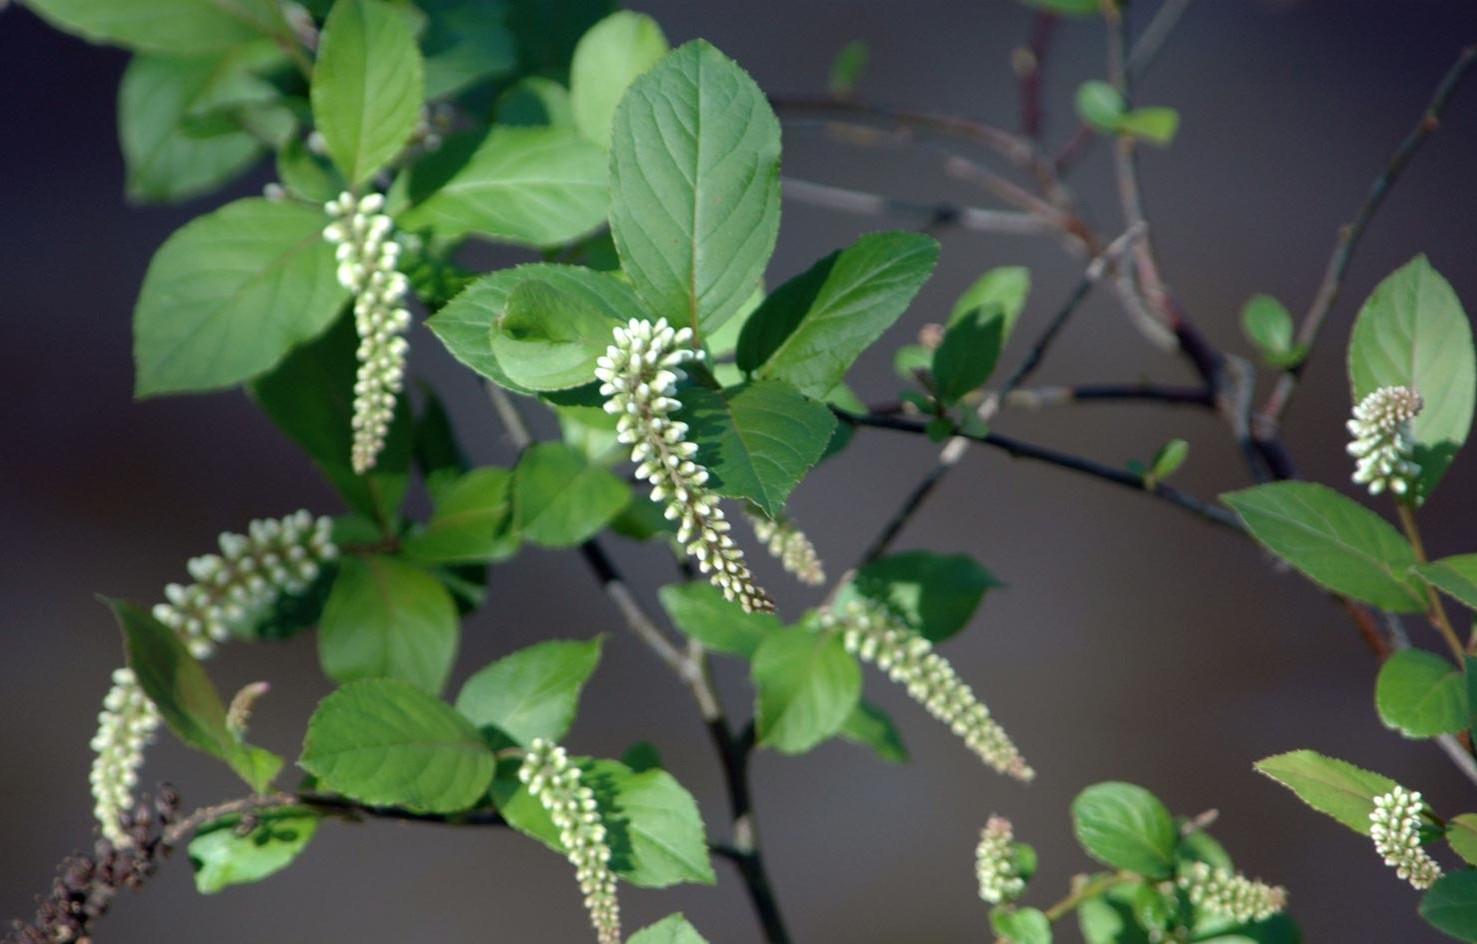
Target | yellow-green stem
(1436,613)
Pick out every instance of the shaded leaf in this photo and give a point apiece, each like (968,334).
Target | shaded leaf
(608,58)
(935,594)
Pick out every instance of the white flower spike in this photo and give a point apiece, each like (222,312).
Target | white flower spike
(555,783)
(1232,895)
(125,726)
(368,255)
(994,863)
(1382,443)
(1395,827)
(871,634)
(638,377)
(788,543)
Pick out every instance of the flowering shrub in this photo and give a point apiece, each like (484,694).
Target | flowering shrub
(646,181)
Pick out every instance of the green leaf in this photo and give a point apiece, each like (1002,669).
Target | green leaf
(1333,787)
(532,693)
(465,42)
(230,293)
(935,594)
(386,742)
(549,338)
(1451,905)
(306,174)
(560,499)
(1126,827)
(1154,125)
(978,329)
(1100,105)
(694,182)
(472,523)
(1461,835)
(699,610)
(809,330)
(466,324)
(165,159)
(652,823)
(757,439)
(388,619)
(612,55)
(1167,461)
(1109,917)
(167,27)
(368,85)
(539,187)
(1268,325)
(1421,695)
(1454,576)
(847,68)
(310,397)
(546,32)
(187,700)
(1412,332)
(1336,542)
(1021,925)
(672,929)
(872,727)
(1068,7)
(222,857)
(807,686)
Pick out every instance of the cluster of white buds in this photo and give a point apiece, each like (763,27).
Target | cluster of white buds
(638,377)
(994,863)
(367,259)
(1395,827)
(555,782)
(871,634)
(125,726)
(232,589)
(1382,443)
(1228,894)
(790,545)
(274,556)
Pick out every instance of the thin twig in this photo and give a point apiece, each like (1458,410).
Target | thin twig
(1028,61)
(1350,235)
(929,214)
(1436,611)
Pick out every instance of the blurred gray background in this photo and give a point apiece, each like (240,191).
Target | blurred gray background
(1133,642)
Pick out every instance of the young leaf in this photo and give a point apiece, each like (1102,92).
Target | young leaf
(1461,835)
(1421,695)
(368,85)
(549,338)
(388,619)
(655,831)
(187,700)
(758,439)
(1068,7)
(1412,332)
(1021,925)
(1333,787)
(1451,905)
(872,727)
(1100,105)
(467,323)
(310,397)
(608,58)
(532,693)
(978,329)
(673,929)
(472,523)
(386,742)
(699,610)
(695,190)
(221,856)
(528,186)
(935,594)
(167,27)
(1268,325)
(230,293)
(1167,461)
(1454,576)
(560,499)
(1154,125)
(1335,541)
(807,685)
(809,330)
(847,68)
(1126,827)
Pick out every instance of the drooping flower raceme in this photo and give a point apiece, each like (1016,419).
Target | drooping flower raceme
(367,254)
(556,784)
(1229,894)
(994,863)
(872,634)
(788,543)
(638,377)
(231,590)
(1395,827)
(1382,441)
